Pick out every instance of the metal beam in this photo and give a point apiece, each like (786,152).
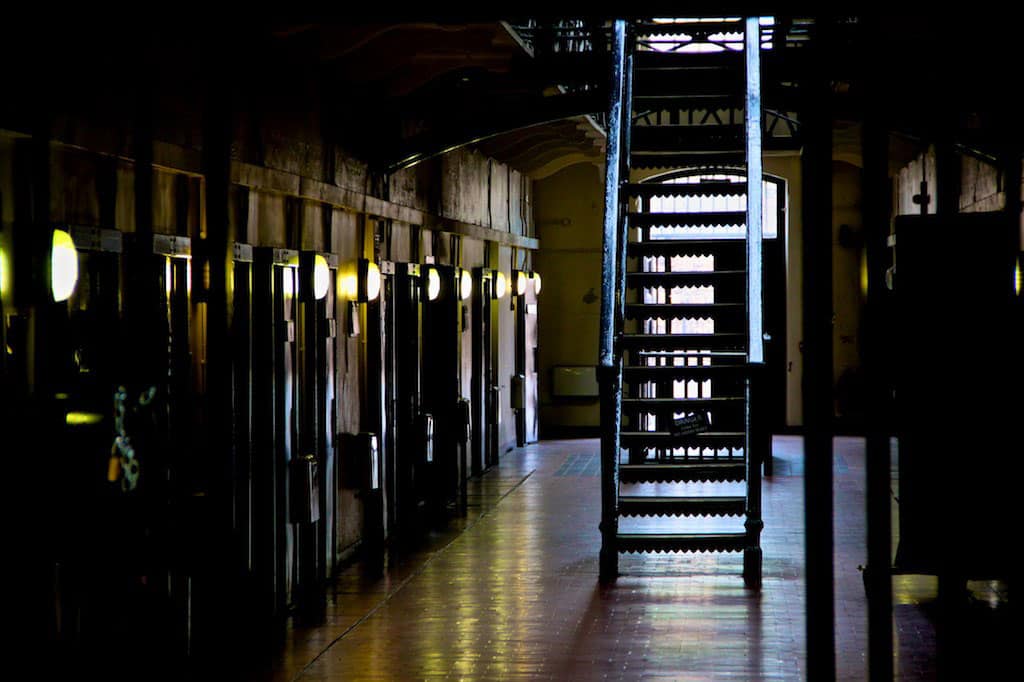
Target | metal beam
(752,556)
(501,117)
(817,374)
(875,219)
(752,120)
(609,371)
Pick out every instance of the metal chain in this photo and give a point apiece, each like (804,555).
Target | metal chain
(128,464)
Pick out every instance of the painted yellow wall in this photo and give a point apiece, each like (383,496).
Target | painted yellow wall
(568,210)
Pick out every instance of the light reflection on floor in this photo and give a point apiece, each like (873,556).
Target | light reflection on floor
(515,595)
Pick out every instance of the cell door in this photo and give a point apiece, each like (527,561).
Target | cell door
(175,336)
(275,428)
(410,457)
(493,383)
(441,382)
(307,496)
(485,387)
(172,428)
(88,368)
(286,403)
(241,357)
(326,405)
(380,365)
(529,324)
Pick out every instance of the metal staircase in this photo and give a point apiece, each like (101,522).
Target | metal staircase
(681,312)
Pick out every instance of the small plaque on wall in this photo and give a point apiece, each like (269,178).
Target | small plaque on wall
(574,382)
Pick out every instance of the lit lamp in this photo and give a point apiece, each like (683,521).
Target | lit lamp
(536,282)
(465,284)
(321,277)
(500,284)
(369,281)
(63,266)
(5,268)
(521,280)
(433,284)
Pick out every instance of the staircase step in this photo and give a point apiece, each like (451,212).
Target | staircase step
(681,542)
(692,471)
(715,355)
(686,101)
(725,138)
(649,373)
(735,248)
(696,82)
(663,439)
(661,279)
(656,111)
(685,189)
(681,506)
(660,134)
(711,219)
(671,27)
(679,404)
(687,138)
(774,62)
(684,341)
(681,310)
(672,160)
(686,61)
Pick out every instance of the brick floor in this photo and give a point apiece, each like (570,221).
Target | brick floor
(511,593)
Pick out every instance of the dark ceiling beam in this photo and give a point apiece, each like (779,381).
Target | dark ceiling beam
(499,117)
(379,41)
(411,77)
(526,141)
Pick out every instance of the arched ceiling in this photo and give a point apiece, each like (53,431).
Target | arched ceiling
(543,150)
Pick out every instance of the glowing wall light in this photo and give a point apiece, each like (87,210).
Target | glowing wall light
(4,268)
(348,285)
(520,282)
(82,418)
(63,266)
(1016,279)
(465,284)
(433,284)
(321,277)
(536,282)
(360,281)
(500,284)
(864,274)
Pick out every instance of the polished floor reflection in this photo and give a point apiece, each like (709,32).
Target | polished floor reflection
(511,592)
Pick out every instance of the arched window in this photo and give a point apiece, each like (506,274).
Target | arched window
(723,191)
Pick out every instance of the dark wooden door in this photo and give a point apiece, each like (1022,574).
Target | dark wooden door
(410,472)
(481,383)
(441,383)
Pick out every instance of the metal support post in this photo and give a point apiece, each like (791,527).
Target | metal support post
(817,372)
(875,206)
(609,369)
